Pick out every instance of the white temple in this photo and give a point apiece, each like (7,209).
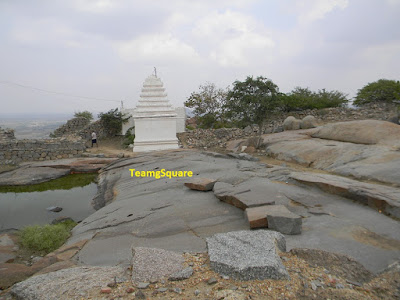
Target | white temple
(156,122)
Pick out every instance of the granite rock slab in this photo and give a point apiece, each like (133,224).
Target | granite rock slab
(248,255)
(275,217)
(382,198)
(241,197)
(201,184)
(153,264)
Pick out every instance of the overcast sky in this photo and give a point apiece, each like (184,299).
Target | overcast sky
(106,48)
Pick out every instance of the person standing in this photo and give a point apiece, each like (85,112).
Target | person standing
(94,139)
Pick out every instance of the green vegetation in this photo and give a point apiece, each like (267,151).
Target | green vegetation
(45,239)
(84,114)
(383,90)
(253,101)
(112,121)
(64,183)
(208,105)
(249,102)
(129,138)
(303,98)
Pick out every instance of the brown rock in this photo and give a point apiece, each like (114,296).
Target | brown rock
(43,263)
(13,273)
(57,266)
(105,290)
(201,184)
(257,216)
(250,149)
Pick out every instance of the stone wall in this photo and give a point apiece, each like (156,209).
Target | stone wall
(209,138)
(6,135)
(71,127)
(16,151)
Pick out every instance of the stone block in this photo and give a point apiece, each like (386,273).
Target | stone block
(248,255)
(201,184)
(279,218)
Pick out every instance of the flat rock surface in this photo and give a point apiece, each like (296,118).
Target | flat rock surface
(153,264)
(163,213)
(361,149)
(247,255)
(42,171)
(63,284)
(383,198)
(34,175)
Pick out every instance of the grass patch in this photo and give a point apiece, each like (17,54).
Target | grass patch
(45,239)
(64,183)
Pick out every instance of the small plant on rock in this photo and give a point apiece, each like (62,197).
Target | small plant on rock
(45,239)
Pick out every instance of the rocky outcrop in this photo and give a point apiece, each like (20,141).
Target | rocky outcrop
(366,132)
(368,150)
(382,198)
(247,255)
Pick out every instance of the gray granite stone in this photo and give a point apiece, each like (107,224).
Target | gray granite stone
(248,255)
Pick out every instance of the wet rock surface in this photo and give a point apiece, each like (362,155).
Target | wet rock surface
(38,172)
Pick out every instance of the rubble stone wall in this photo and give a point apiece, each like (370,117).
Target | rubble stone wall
(16,151)
(72,126)
(6,135)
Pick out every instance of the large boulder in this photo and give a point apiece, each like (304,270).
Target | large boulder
(368,132)
(248,255)
(308,122)
(291,123)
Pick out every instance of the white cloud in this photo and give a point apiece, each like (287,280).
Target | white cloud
(49,32)
(312,10)
(232,37)
(156,48)
(94,6)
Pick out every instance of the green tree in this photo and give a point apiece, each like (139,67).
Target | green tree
(383,90)
(112,121)
(303,98)
(249,102)
(84,114)
(207,104)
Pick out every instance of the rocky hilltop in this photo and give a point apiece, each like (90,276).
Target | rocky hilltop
(327,211)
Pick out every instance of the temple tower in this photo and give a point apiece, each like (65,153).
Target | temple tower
(154,118)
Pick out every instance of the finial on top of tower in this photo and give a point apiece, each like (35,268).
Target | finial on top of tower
(155,71)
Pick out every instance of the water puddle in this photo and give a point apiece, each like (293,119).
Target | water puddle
(26,205)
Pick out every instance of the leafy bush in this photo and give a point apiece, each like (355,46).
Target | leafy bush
(207,104)
(129,137)
(45,239)
(304,98)
(112,121)
(251,101)
(84,114)
(383,90)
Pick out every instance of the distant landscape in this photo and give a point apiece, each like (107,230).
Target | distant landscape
(33,126)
